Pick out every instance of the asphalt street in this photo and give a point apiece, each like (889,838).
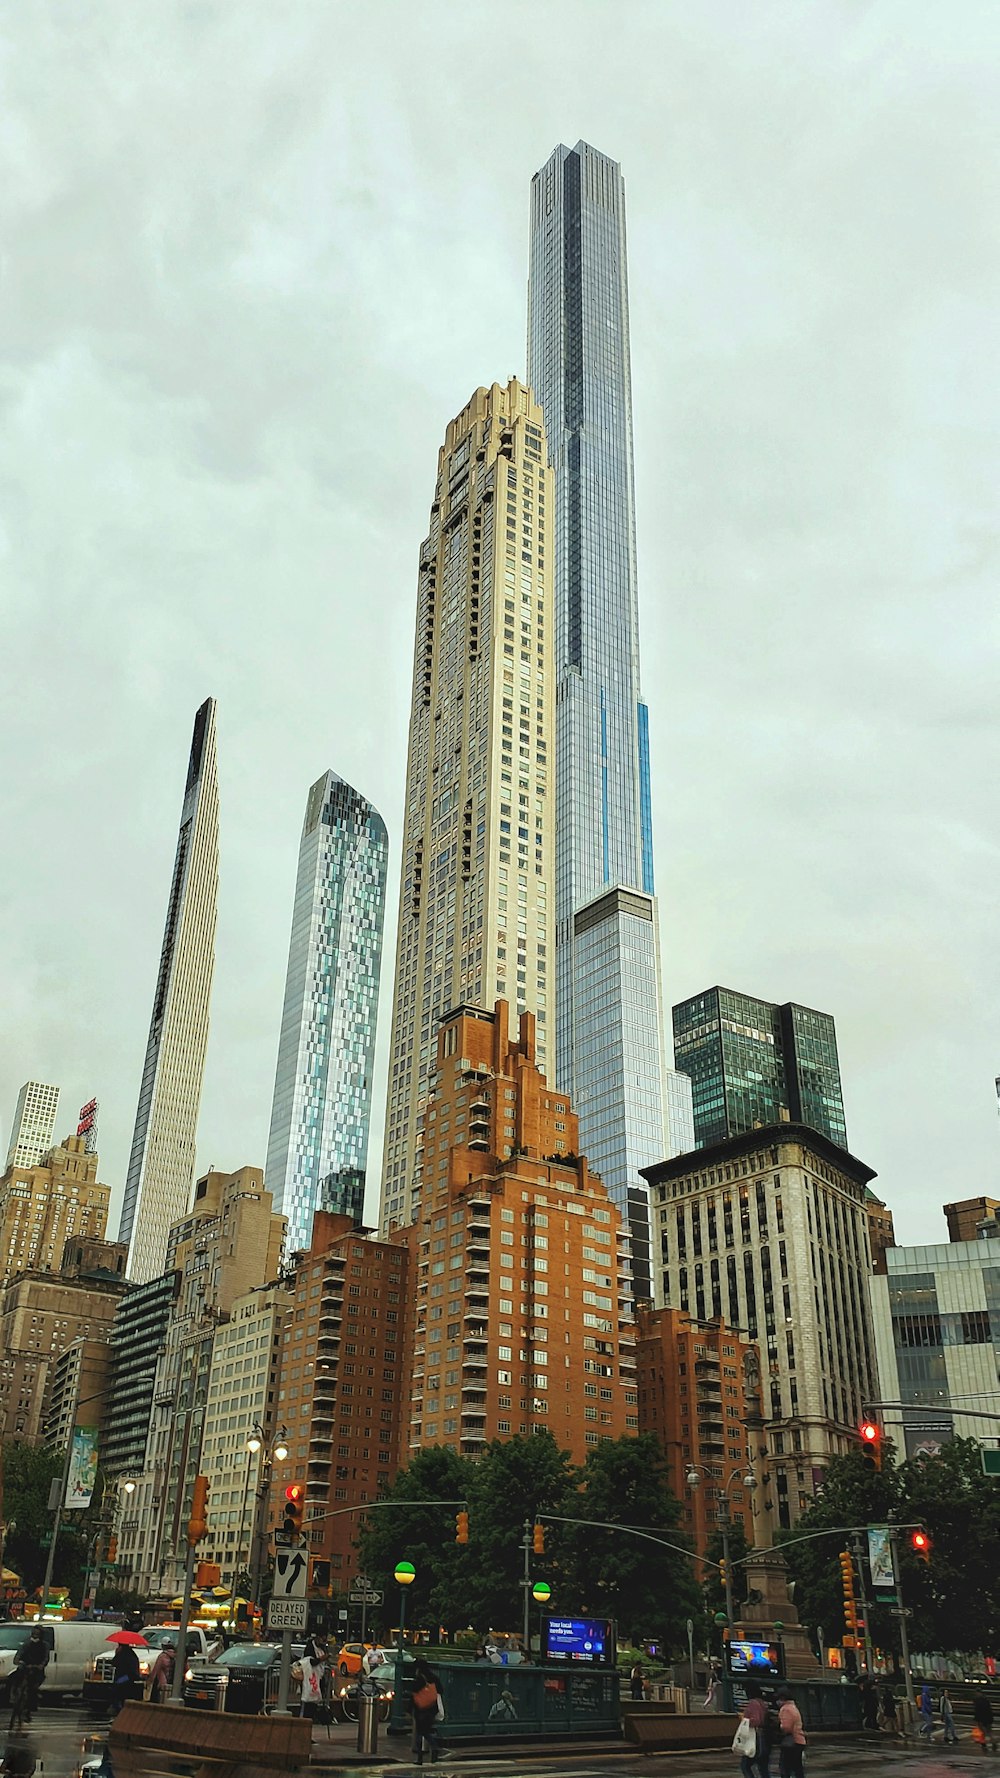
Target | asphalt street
(60,1736)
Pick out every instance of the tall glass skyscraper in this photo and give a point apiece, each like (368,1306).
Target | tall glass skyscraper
(318,1145)
(161,1164)
(609,1047)
(752,1062)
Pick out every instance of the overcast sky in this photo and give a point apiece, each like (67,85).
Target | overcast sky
(255,257)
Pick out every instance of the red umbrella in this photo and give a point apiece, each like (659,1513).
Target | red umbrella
(131,1637)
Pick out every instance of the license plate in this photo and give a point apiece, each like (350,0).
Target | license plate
(203,1695)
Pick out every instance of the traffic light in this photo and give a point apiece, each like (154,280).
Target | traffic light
(462,1527)
(723,1572)
(208,1574)
(847,1585)
(922,1545)
(112,1548)
(871,1444)
(291,1522)
(320,1575)
(538,1539)
(198,1522)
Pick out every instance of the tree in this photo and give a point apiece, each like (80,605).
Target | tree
(648,1588)
(713,1586)
(424,1536)
(852,1495)
(28,1473)
(515,1479)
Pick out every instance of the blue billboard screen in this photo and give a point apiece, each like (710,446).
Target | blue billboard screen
(588,1639)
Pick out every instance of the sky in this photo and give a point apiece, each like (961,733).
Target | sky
(254,258)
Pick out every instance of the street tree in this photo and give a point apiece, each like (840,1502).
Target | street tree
(28,1473)
(423,1535)
(649,1589)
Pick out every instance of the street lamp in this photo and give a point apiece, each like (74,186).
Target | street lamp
(278,1452)
(749,1480)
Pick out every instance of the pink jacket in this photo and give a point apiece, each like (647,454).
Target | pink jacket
(790,1720)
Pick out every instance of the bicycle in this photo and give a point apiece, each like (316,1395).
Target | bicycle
(22,1696)
(365,1688)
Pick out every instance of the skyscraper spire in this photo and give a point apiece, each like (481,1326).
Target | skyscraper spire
(161,1164)
(609,1042)
(318,1145)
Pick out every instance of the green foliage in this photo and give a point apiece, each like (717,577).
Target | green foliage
(713,1590)
(955,1599)
(28,1471)
(648,1589)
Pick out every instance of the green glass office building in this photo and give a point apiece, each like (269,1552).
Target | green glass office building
(753,1063)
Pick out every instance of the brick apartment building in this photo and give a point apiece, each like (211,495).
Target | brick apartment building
(692,1399)
(521,1308)
(342,1375)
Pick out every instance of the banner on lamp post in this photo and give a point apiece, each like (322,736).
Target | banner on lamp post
(82,1473)
(880,1556)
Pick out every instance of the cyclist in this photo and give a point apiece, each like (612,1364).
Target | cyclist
(33,1657)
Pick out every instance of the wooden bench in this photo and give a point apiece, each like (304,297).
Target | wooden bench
(216,1739)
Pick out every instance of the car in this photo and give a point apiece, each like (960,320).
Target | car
(201,1644)
(243,1678)
(351,1656)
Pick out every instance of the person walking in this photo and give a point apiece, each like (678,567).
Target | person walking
(427,1707)
(926,1711)
(982,1723)
(890,1718)
(125,1673)
(637,1690)
(33,1657)
(869,1701)
(161,1677)
(947,1710)
(755,1764)
(793,1737)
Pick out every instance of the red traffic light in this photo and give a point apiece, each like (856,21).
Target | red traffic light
(921,1545)
(869,1432)
(291,1521)
(871,1443)
(294,1491)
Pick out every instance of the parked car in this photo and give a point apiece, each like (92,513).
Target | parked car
(243,1678)
(201,1644)
(72,1647)
(381,1680)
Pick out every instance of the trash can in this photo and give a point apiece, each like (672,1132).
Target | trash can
(367,1721)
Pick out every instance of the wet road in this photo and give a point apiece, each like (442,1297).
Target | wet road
(60,1736)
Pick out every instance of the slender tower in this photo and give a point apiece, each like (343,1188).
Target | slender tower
(478,854)
(318,1146)
(609,1029)
(161,1165)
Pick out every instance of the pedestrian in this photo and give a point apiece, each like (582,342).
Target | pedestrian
(125,1674)
(755,1762)
(374,1657)
(926,1711)
(161,1677)
(869,1701)
(481,1658)
(636,1686)
(311,1667)
(33,1657)
(793,1737)
(887,1701)
(711,1699)
(947,1710)
(427,1706)
(982,1722)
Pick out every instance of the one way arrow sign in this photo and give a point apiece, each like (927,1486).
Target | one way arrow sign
(291,1569)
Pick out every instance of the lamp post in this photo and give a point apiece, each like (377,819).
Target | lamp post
(749,1480)
(276,1454)
(404,1575)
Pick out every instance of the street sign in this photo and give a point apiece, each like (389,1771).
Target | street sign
(991,1462)
(362,1583)
(368,1598)
(291,1570)
(286,1540)
(287,1614)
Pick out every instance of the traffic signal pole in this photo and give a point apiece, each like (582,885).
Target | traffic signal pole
(863,1596)
(526,1584)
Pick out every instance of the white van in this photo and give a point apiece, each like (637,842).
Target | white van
(72,1647)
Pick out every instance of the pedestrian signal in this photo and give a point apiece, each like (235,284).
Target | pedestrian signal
(538,1540)
(462,1527)
(319,1578)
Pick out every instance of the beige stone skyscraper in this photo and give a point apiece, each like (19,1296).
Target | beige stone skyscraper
(43,1207)
(476,921)
(162,1161)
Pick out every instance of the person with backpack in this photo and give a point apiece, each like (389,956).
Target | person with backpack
(427,1707)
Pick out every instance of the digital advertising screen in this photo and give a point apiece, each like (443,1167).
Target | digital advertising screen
(589,1639)
(755,1660)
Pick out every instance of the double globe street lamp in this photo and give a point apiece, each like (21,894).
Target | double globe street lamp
(277,1453)
(722,1518)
